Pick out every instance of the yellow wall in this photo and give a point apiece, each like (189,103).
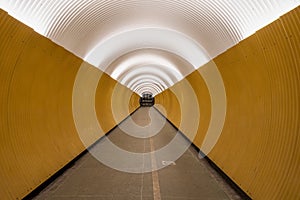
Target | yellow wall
(176,103)
(38,135)
(119,104)
(170,105)
(259,145)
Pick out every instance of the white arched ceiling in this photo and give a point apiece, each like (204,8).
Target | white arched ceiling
(141,78)
(152,79)
(169,68)
(166,77)
(155,57)
(146,89)
(149,84)
(101,31)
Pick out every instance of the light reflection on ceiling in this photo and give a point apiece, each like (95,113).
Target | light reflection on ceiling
(115,35)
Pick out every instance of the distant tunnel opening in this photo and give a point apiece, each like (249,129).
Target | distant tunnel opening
(147,100)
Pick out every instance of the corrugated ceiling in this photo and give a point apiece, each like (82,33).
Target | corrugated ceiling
(103,31)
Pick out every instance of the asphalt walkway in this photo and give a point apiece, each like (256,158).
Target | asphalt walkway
(124,166)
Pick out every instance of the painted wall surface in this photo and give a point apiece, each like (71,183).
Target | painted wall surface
(38,131)
(259,145)
(169,106)
(119,104)
(178,106)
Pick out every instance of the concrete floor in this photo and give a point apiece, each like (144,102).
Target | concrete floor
(188,178)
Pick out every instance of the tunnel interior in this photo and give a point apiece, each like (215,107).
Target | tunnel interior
(225,74)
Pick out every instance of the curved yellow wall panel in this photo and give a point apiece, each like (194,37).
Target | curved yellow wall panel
(134,102)
(12,41)
(204,103)
(84,112)
(94,110)
(175,102)
(261,77)
(103,102)
(114,102)
(180,105)
(123,102)
(259,146)
(168,104)
(36,109)
(38,135)
(206,86)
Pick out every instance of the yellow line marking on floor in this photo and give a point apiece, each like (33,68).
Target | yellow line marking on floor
(155,179)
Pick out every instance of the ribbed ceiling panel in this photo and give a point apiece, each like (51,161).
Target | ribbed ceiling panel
(81,25)
(227,21)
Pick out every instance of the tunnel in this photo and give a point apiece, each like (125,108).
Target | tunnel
(150,99)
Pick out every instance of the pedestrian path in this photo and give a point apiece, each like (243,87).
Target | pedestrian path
(187,178)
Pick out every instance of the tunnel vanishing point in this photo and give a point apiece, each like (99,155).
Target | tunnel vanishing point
(226,74)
